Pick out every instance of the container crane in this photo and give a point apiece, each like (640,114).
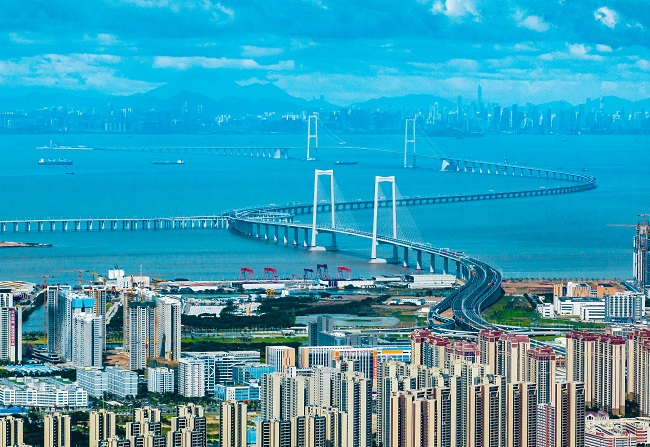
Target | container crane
(245,274)
(344,272)
(270,274)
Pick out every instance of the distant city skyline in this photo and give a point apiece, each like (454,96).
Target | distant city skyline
(533,51)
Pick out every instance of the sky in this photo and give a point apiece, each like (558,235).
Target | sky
(346,50)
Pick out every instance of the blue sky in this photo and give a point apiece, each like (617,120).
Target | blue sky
(346,50)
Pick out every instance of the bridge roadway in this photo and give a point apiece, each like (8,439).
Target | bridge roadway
(482,286)
(222,220)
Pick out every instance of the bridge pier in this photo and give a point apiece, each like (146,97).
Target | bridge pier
(276,236)
(65,225)
(3,227)
(89,225)
(102,225)
(334,246)
(405,263)
(28,226)
(77,225)
(256,230)
(418,259)
(40,226)
(458,275)
(52,226)
(305,242)
(286,235)
(295,236)
(432,264)
(445,266)
(113,225)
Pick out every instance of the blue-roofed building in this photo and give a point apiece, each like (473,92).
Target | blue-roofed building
(237,393)
(244,374)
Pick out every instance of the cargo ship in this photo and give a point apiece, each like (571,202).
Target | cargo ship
(54,162)
(177,162)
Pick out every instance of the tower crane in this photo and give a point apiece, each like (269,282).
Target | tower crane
(79,272)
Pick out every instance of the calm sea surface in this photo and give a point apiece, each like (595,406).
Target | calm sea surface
(562,236)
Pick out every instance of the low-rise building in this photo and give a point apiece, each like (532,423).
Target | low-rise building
(237,393)
(47,392)
(122,382)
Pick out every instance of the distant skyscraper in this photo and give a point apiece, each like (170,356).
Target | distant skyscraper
(610,374)
(57,430)
(232,424)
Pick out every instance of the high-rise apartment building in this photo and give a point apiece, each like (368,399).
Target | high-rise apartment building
(356,402)
(146,429)
(487,342)
(569,404)
(521,410)
(610,374)
(428,349)
(280,357)
(160,380)
(102,425)
(511,358)
(641,264)
(232,423)
(274,433)
(542,370)
(11,333)
(88,339)
(191,380)
(188,427)
(11,431)
(167,342)
(545,425)
(141,332)
(421,418)
(581,361)
(56,430)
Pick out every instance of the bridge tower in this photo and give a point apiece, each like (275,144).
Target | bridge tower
(317,173)
(312,134)
(409,139)
(373,253)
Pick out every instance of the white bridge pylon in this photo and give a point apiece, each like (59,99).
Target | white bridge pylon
(409,139)
(378,180)
(312,134)
(314,231)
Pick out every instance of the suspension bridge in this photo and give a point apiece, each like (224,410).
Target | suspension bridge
(277,223)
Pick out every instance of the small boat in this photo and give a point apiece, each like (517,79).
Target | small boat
(177,162)
(338,162)
(54,162)
(70,173)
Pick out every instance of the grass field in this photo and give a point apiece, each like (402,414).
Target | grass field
(517,311)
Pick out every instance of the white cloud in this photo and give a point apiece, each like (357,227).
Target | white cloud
(23,39)
(576,51)
(606,16)
(71,71)
(531,22)
(253,51)
(185,63)
(604,48)
(455,8)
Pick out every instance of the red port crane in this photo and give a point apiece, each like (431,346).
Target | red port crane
(270,274)
(344,272)
(245,274)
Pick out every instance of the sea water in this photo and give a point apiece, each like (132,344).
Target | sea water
(551,237)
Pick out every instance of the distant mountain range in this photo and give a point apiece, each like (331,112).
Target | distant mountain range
(222,95)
